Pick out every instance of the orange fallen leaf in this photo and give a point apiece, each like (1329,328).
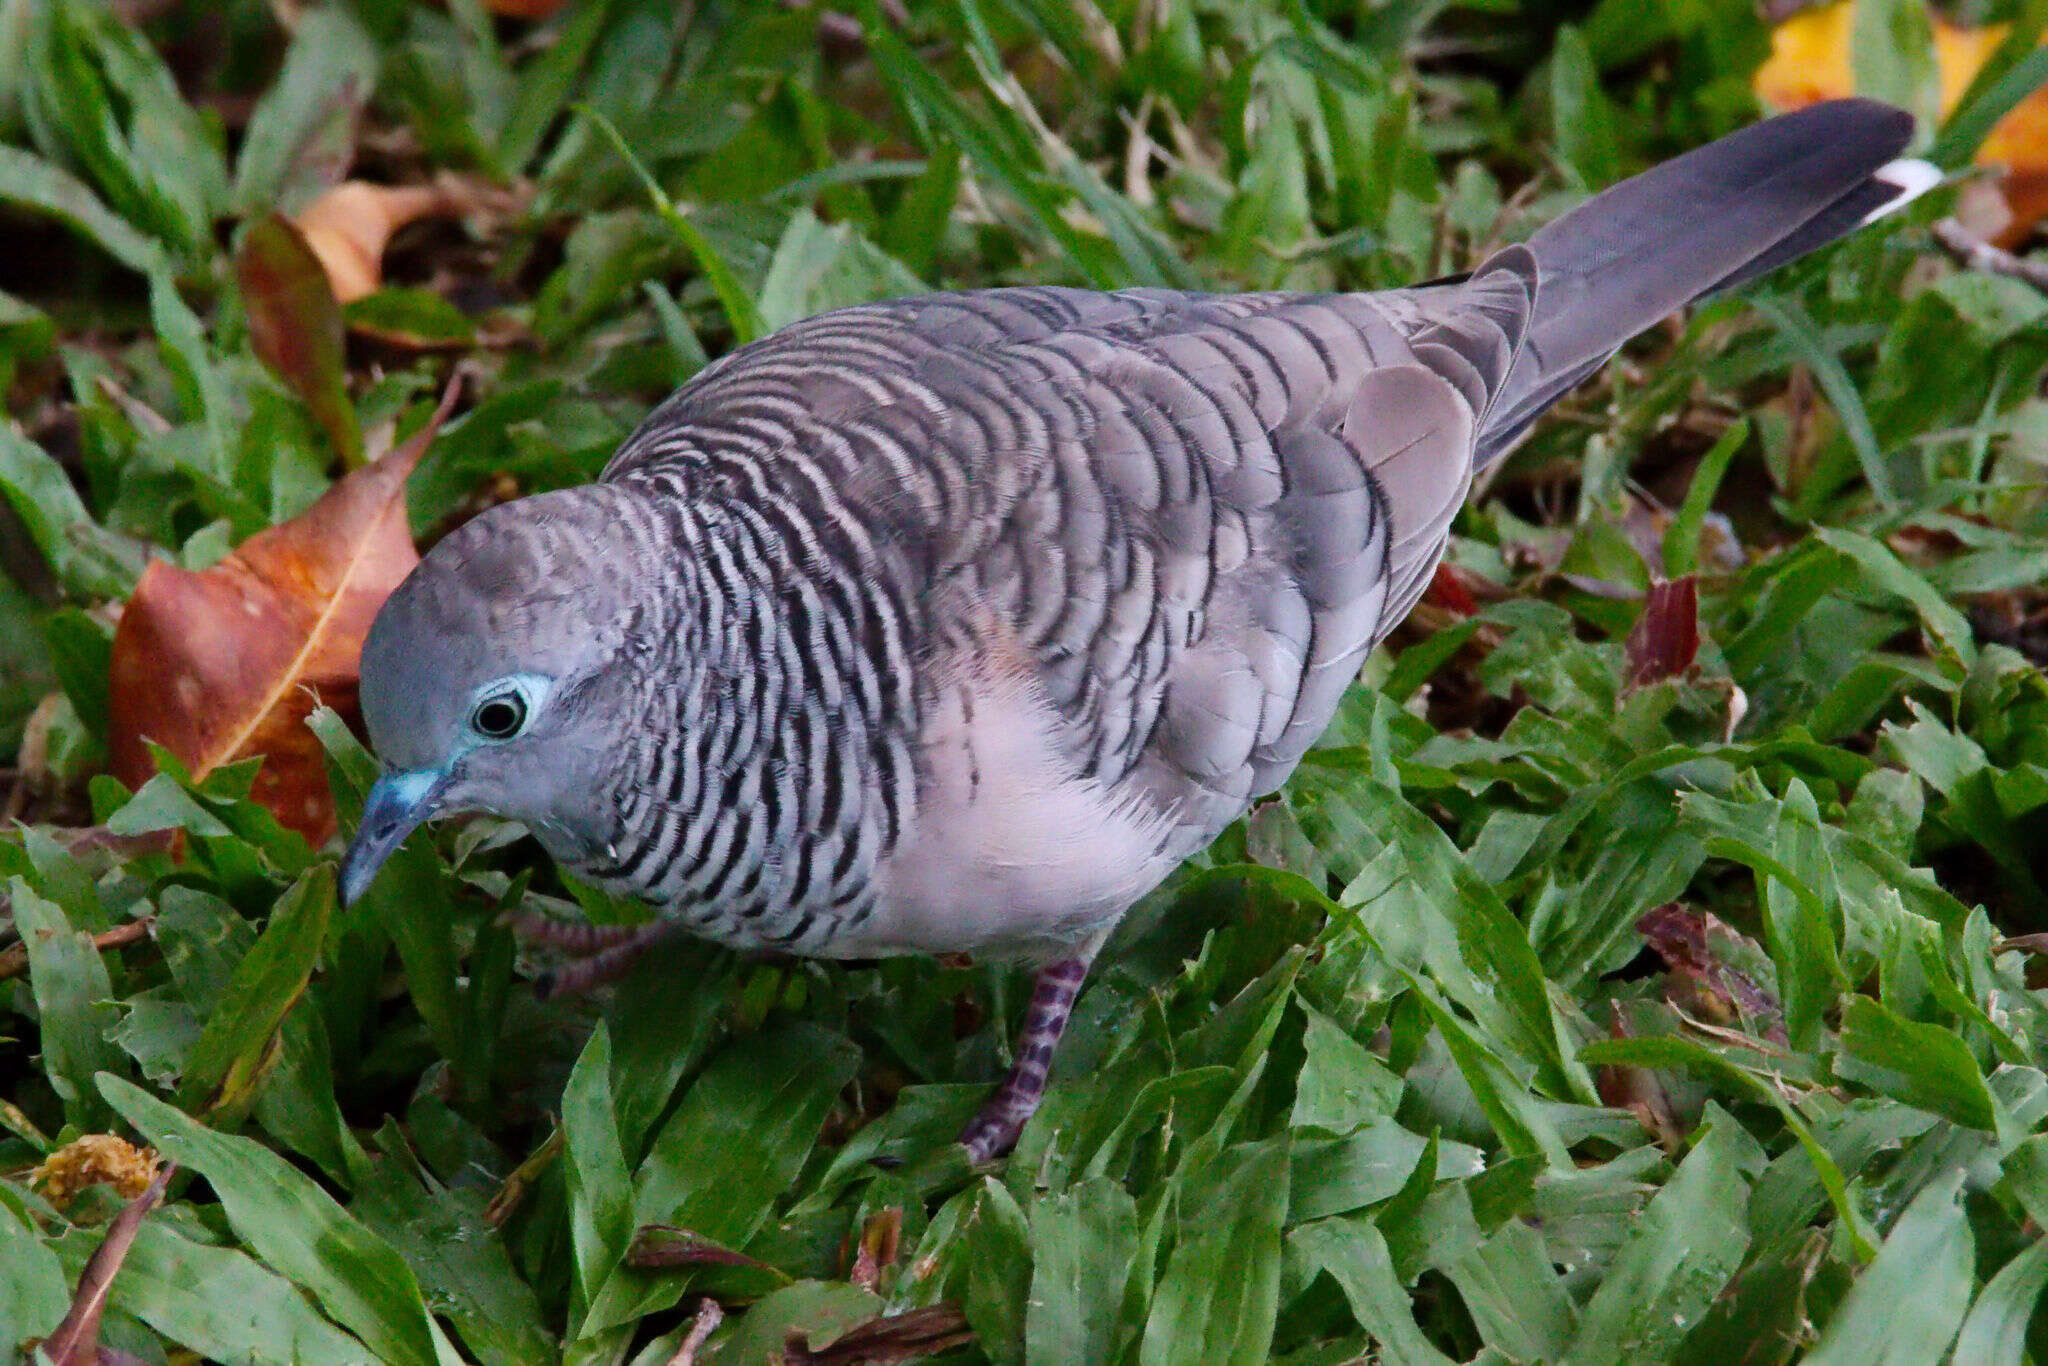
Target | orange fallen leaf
(226,663)
(1810,62)
(349,225)
(530,10)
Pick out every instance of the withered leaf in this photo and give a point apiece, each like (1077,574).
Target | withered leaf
(909,1336)
(348,227)
(662,1245)
(880,1239)
(77,1339)
(1702,953)
(227,662)
(295,325)
(1640,1091)
(1666,637)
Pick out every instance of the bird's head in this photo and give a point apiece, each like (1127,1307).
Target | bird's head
(486,676)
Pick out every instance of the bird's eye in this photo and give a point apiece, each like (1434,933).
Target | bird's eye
(499,717)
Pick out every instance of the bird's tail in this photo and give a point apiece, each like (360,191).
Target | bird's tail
(1711,219)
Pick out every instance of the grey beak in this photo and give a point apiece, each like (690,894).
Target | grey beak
(397,803)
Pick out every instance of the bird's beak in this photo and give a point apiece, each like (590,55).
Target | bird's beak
(397,803)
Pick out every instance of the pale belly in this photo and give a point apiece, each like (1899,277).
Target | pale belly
(1010,854)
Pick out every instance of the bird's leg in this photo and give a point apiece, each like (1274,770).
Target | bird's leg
(1002,1116)
(612,954)
(577,937)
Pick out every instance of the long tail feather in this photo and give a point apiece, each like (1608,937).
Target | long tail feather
(1714,218)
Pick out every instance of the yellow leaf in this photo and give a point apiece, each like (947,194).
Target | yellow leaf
(1809,62)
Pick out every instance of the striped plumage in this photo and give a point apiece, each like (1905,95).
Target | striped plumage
(900,513)
(954,623)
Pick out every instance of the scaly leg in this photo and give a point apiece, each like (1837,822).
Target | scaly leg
(608,952)
(1002,1116)
(578,938)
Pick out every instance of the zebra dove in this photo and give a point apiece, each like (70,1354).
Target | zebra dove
(954,623)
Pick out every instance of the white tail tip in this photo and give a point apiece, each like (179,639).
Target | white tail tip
(1913,178)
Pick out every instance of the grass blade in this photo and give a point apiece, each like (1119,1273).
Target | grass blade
(299,1229)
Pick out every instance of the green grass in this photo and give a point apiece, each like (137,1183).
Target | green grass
(1389,1070)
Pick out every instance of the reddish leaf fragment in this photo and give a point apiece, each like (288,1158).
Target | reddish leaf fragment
(880,1241)
(1696,947)
(1666,637)
(659,1245)
(295,326)
(226,663)
(77,1339)
(1447,590)
(1639,1091)
(909,1336)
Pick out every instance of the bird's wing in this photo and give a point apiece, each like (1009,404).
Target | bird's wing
(1252,492)
(1193,515)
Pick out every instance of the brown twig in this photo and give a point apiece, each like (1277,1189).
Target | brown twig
(14,958)
(77,1339)
(1974,253)
(709,1316)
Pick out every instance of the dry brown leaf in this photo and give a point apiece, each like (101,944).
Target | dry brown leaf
(1638,1090)
(880,1240)
(532,11)
(349,226)
(1810,62)
(1666,637)
(1701,953)
(227,662)
(910,1336)
(295,326)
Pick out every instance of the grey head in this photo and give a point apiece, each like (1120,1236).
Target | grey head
(488,676)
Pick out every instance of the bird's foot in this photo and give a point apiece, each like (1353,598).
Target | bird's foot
(603,953)
(1002,1117)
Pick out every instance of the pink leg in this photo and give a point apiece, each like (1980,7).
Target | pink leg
(1002,1116)
(610,956)
(577,937)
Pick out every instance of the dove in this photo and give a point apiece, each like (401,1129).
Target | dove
(952,624)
